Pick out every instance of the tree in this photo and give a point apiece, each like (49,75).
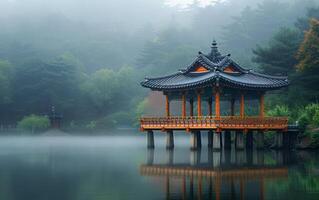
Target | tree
(308,53)
(38,85)
(111,91)
(168,52)
(34,123)
(256,25)
(308,58)
(279,56)
(6,75)
(303,22)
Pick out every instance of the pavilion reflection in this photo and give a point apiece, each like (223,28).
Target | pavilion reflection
(223,175)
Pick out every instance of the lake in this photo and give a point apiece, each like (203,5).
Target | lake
(119,166)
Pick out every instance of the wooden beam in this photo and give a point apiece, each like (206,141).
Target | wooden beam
(167,107)
(262,106)
(217,102)
(199,104)
(191,109)
(183,105)
(242,105)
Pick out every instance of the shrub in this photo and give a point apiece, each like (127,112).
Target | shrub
(279,111)
(34,123)
(309,116)
(91,125)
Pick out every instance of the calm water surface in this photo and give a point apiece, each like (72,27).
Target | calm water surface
(120,167)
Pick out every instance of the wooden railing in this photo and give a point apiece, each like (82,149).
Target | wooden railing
(211,122)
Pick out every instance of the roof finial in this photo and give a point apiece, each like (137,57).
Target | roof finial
(214,54)
(214,43)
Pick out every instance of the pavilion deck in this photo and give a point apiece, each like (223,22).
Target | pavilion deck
(190,123)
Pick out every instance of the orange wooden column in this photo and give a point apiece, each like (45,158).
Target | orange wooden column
(199,104)
(262,106)
(232,107)
(210,109)
(191,109)
(167,107)
(242,105)
(217,102)
(184,105)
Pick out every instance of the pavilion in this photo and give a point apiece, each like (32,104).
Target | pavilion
(214,78)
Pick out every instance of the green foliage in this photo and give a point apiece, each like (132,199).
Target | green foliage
(256,25)
(6,75)
(279,56)
(308,66)
(141,107)
(38,85)
(309,116)
(308,56)
(91,125)
(66,70)
(110,91)
(167,53)
(34,123)
(279,111)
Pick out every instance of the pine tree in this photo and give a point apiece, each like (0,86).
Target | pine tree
(308,65)
(308,53)
(278,58)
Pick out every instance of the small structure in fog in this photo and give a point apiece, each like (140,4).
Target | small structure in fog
(55,119)
(214,78)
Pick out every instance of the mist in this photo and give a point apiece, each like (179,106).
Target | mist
(87,57)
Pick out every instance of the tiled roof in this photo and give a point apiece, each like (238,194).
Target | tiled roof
(215,65)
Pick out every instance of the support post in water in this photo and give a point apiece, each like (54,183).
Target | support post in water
(196,140)
(227,138)
(249,140)
(239,140)
(210,138)
(279,140)
(150,139)
(216,141)
(260,140)
(170,140)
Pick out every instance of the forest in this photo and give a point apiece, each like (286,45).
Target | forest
(90,68)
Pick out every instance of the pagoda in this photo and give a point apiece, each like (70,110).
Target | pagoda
(213,79)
